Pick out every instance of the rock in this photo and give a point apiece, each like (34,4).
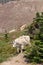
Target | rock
(23,27)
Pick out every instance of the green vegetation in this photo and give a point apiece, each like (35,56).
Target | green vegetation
(35,30)
(6,49)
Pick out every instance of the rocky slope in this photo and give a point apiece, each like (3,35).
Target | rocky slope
(14,14)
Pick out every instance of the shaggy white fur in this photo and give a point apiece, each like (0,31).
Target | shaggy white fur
(22,40)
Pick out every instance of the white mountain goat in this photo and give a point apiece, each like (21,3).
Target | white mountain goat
(21,42)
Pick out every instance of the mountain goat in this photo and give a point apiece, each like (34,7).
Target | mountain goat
(21,42)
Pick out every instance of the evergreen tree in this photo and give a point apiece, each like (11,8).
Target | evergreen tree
(36,53)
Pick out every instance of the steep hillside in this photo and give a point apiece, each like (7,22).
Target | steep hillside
(14,14)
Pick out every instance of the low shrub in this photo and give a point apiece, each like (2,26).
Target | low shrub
(6,51)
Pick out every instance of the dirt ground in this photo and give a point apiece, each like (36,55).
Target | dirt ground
(17,60)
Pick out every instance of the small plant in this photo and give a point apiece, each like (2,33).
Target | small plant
(6,35)
(33,63)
